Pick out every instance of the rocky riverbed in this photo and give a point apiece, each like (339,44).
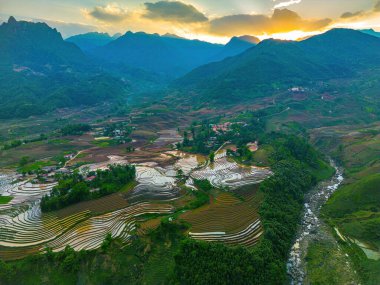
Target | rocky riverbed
(311,227)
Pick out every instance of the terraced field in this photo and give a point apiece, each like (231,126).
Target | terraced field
(224,173)
(233,219)
(229,219)
(24,229)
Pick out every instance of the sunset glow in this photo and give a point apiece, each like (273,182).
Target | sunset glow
(214,21)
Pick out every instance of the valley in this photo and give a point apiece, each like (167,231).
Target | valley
(145,158)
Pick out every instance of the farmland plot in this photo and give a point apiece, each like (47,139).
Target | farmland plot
(224,173)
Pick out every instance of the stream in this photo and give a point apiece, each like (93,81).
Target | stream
(310,225)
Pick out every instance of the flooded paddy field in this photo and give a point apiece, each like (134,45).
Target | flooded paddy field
(229,218)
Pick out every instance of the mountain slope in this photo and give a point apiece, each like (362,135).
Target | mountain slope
(165,55)
(272,64)
(371,32)
(90,41)
(41,72)
(36,45)
(236,46)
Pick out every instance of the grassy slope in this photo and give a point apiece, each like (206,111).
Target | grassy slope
(325,264)
(5,199)
(355,210)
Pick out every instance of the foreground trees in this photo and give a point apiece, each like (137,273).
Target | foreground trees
(210,263)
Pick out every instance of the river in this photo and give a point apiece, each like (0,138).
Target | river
(310,225)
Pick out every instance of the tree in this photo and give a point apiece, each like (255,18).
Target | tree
(212,157)
(24,161)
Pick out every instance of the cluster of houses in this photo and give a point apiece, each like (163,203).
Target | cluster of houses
(221,127)
(105,133)
(233,150)
(297,89)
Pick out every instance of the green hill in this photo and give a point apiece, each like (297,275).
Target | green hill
(41,72)
(354,210)
(278,65)
(364,195)
(90,41)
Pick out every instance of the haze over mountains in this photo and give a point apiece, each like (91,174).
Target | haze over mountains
(92,40)
(44,72)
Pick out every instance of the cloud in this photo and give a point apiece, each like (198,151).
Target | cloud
(282,21)
(109,13)
(348,15)
(286,4)
(362,14)
(174,11)
(377,7)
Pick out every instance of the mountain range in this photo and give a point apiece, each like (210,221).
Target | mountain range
(274,64)
(41,71)
(90,41)
(371,32)
(36,45)
(166,55)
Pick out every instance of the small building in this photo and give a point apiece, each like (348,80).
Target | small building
(63,170)
(69,156)
(48,169)
(90,178)
(253,146)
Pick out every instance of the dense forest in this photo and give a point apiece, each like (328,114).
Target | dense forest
(296,165)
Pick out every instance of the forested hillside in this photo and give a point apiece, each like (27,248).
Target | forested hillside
(41,72)
(277,65)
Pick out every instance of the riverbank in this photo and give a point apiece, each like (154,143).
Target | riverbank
(312,230)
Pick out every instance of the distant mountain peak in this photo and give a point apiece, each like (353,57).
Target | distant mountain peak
(116,36)
(249,39)
(168,35)
(371,32)
(243,41)
(12,20)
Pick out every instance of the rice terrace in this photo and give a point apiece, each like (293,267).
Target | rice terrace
(158,190)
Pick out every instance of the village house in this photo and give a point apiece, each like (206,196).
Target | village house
(253,146)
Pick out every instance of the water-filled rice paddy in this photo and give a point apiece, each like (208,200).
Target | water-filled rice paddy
(24,229)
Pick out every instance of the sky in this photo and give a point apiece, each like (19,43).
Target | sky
(210,20)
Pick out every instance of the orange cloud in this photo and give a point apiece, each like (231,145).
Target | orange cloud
(109,13)
(282,21)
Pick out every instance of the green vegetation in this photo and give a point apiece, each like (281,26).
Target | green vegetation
(202,195)
(5,199)
(74,188)
(208,263)
(27,166)
(200,139)
(326,264)
(148,260)
(75,129)
(354,210)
